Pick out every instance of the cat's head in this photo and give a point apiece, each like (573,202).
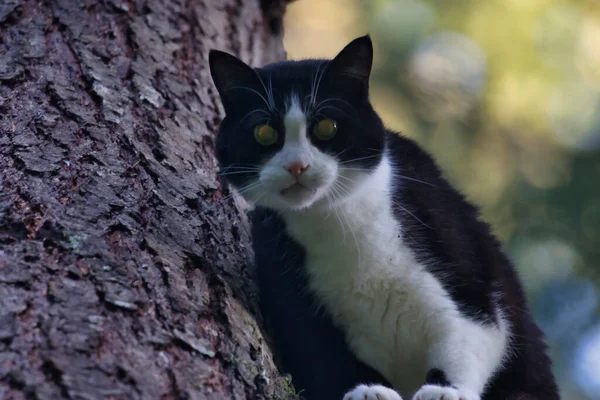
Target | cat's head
(298,133)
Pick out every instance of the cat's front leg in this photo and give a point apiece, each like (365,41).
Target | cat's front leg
(438,392)
(463,361)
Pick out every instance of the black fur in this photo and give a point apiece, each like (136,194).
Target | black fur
(442,226)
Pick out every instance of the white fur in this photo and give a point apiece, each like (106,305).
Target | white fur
(433,392)
(372,392)
(397,316)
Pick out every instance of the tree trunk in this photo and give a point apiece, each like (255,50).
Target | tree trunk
(122,273)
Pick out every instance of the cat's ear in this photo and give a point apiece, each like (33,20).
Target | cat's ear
(230,74)
(354,61)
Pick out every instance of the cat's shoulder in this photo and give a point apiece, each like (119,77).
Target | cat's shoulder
(408,148)
(406,153)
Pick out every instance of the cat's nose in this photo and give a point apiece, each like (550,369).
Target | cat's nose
(296,169)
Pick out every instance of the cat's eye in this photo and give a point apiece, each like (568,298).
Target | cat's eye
(265,134)
(325,129)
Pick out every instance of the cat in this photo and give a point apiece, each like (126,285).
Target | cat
(377,278)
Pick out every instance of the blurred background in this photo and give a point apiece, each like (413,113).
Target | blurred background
(506,95)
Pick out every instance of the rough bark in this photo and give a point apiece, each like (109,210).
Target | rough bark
(123,273)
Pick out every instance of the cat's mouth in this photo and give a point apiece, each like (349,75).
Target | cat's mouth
(297,189)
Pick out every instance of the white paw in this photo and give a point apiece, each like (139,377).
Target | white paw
(373,392)
(435,392)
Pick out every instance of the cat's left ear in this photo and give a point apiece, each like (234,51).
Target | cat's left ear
(229,73)
(354,61)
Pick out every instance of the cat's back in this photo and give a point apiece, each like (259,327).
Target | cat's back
(443,225)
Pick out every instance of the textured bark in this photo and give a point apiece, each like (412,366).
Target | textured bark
(122,273)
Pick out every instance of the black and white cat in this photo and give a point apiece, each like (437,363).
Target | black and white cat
(377,278)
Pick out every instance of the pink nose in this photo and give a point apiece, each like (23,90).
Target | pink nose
(296,169)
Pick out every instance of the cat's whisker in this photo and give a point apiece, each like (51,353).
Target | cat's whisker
(411,214)
(346,191)
(345,177)
(330,99)
(318,84)
(271,94)
(248,187)
(336,190)
(337,215)
(341,152)
(351,169)
(241,166)
(361,158)
(395,174)
(350,180)
(255,92)
(257,197)
(339,187)
(310,96)
(312,88)
(408,178)
(238,167)
(342,185)
(236,172)
(240,191)
(355,239)
(256,111)
(319,113)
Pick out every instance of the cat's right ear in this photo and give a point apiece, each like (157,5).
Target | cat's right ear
(354,61)
(229,73)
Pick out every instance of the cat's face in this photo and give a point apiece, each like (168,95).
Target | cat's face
(298,133)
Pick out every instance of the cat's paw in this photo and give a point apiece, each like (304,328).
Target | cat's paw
(435,392)
(372,392)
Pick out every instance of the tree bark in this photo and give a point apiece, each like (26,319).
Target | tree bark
(123,272)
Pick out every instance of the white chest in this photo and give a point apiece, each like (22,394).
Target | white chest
(386,303)
(378,305)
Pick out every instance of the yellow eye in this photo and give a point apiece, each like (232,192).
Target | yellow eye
(325,129)
(265,134)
